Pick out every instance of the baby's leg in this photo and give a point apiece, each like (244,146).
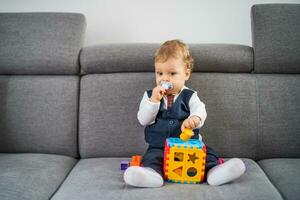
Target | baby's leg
(142,177)
(226,172)
(151,175)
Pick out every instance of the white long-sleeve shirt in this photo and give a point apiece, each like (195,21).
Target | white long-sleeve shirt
(148,110)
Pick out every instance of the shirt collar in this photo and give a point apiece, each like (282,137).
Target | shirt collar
(184,87)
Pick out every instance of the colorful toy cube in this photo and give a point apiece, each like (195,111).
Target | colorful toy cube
(184,162)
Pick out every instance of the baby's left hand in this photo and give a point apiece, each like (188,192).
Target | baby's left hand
(190,123)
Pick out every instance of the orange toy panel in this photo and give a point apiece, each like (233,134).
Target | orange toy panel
(136,160)
(184,162)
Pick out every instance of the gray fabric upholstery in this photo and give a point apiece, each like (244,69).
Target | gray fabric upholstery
(231,124)
(40,43)
(32,176)
(110,58)
(38,114)
(118,58)
(284,174)
(109,105)
(108,124)
(231,58)
(276,38)
(278,114)
(101,178)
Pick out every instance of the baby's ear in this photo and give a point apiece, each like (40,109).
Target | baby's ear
(188,73)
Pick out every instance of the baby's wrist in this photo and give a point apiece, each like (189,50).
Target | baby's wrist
(154,100)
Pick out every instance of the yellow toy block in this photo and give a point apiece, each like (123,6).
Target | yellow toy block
(184,162)
(186,134)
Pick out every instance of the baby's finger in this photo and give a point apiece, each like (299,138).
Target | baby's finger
(161,89)
(188,123)
(182,127)
(195,123)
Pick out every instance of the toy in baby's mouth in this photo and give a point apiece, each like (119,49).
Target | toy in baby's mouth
(166,85)
(184,159)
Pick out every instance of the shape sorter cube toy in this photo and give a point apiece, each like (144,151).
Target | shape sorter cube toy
(184,162)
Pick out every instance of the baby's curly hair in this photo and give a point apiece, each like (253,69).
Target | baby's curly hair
(174,49)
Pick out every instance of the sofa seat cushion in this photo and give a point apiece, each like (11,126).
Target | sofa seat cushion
(284,174)
(32,176)
(101,178)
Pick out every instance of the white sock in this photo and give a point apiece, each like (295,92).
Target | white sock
(226,172)
(142,177)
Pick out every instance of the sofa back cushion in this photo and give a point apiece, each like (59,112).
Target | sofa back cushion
(109,103)
(38,114)
(40,43)
(108,124)
(276,38)
(278,99)
(231,124)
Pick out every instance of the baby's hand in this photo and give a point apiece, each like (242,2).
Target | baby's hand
(157,94)
(190,123)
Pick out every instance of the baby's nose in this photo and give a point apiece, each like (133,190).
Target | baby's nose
(166,78)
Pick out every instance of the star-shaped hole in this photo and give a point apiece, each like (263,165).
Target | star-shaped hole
(192,157)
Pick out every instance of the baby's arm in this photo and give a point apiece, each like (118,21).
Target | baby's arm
(197,113)
(147,111)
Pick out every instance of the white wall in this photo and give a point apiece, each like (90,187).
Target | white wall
(123,21)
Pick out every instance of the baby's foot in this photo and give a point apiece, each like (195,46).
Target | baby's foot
(142,177)
(226,172)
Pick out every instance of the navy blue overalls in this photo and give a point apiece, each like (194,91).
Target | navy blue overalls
(168,124)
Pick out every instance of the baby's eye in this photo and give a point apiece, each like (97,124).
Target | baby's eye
(173,73)
(159,73)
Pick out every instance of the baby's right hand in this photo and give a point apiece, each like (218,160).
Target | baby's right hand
(157,94)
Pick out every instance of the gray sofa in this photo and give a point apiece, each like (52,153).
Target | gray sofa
(68,114)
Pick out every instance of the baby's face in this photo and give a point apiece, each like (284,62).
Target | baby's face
(174,71)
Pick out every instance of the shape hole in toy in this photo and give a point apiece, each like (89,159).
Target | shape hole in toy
(191,171)
(178,157)
(178,171)
(193,157)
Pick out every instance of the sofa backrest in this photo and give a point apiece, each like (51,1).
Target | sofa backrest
(39,82)
(116,77)
(252,95)
(276,43)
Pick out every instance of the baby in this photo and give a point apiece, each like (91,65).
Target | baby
(166,111)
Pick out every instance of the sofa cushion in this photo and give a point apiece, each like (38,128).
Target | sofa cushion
(276,38)
(101,178)
(278,99)
(38,114)
(40,43)
(284,174)
(32,176)
(109,103)
(231,124)
(108,58)
(108,124)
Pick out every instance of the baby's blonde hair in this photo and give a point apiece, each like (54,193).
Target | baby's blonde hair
(174,49)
